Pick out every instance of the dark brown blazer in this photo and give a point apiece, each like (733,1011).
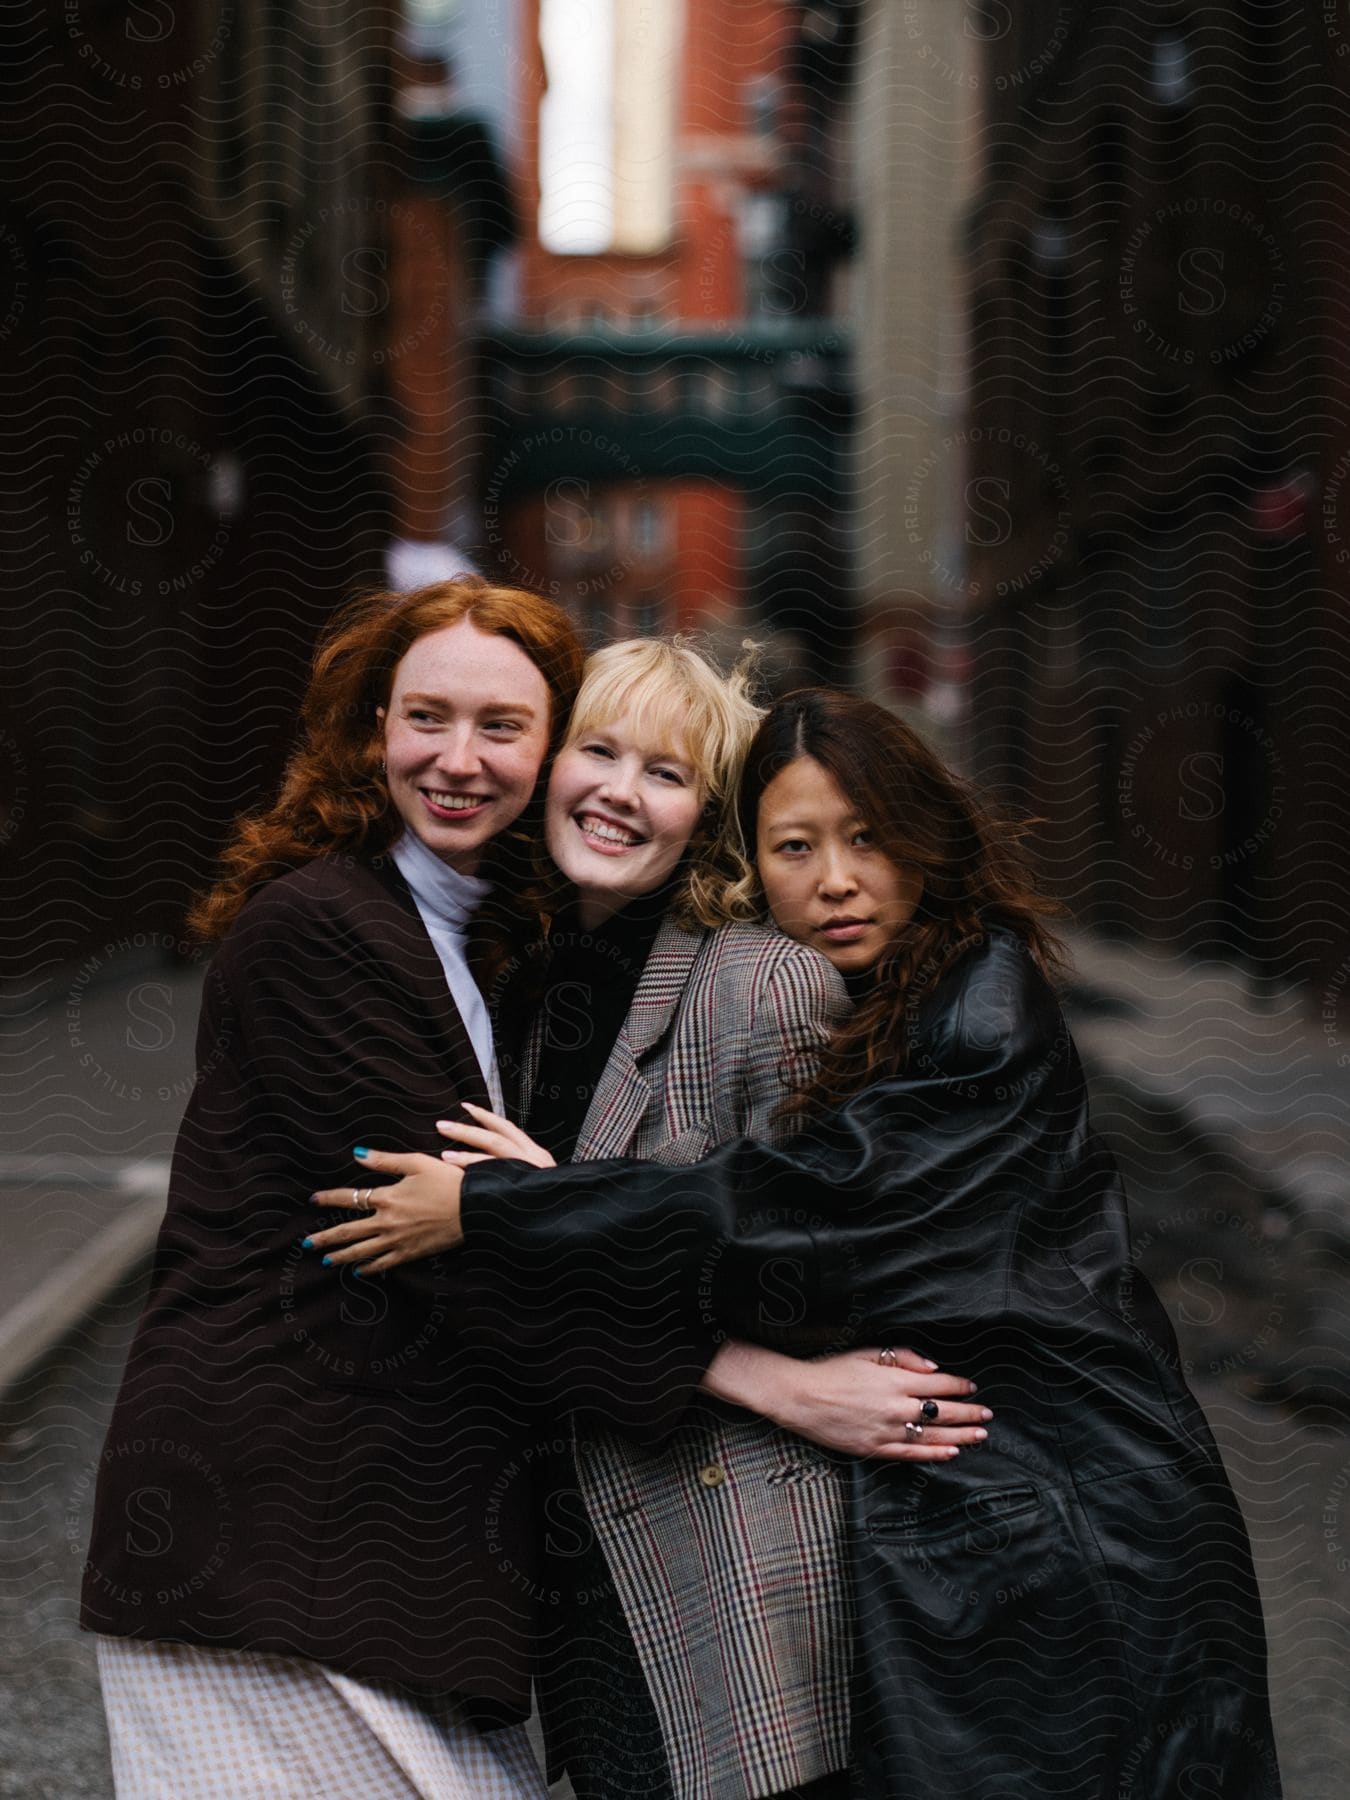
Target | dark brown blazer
(303,1461)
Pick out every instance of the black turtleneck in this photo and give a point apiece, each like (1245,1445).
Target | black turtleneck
(592,977)
(859,983)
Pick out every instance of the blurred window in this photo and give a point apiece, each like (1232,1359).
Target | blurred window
(763,95)
(426,13)
(589,383)
(512,388)
(615,390)
(718,391)
(649,615)
(1172,84)
(763,223)
(759,390)
(657,388)
(649,528)
(607,125)
(560,391)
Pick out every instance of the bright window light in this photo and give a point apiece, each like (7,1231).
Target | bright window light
(576,127)
(607,125)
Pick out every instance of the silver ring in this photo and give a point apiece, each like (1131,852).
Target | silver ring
(366,1201)
(356,1197)
(887,1357)
(913,1432)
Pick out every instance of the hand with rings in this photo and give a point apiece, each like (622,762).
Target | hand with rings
(415,1216)
(889,1403)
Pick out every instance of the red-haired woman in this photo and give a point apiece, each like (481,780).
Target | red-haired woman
(288,1570)
(1071,1610)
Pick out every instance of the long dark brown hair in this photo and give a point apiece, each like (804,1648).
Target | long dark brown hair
(923,817)
(334,797)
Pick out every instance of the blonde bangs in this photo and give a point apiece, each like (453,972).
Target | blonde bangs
(682,705)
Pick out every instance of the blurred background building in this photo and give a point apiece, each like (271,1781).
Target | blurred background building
(668,359)
(194,441)
(978,355)
(1148,262)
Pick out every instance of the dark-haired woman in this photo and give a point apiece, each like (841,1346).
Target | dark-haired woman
(1070,1611)
(289,1573)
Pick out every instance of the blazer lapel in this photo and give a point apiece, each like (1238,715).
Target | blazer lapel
(623,1094)
(529,1066)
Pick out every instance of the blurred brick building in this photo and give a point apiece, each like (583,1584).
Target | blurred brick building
(915,158)
(1156,614)
(668,375)
(238,245)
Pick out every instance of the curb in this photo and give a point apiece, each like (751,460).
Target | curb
(31,1330)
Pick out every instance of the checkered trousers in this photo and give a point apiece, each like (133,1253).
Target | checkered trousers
(727,1553)
(191,1724)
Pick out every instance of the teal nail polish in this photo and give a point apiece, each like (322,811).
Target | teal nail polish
(327,1262)
(360,1150)
(308,1244)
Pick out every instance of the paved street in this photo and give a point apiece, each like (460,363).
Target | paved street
(1294,1483)
(1255,1287)
(52,1743)
(97,1067)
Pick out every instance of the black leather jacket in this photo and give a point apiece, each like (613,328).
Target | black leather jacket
(1069,1610)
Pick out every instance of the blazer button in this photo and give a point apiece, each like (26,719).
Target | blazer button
(712,1475)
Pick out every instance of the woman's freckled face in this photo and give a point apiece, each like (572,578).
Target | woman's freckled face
(825,882)
(465,735)
(620,815)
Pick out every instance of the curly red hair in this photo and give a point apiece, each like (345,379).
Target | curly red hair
(333,796)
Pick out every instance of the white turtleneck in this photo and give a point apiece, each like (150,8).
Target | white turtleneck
(446,901)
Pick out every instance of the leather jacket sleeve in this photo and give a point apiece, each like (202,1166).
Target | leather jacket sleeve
(902,1213)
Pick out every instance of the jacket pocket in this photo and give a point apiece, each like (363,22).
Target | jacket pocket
(688,1146)
(793,1470)
(1005,1559)
(982,1514)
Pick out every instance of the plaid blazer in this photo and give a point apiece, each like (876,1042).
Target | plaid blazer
(725,1545)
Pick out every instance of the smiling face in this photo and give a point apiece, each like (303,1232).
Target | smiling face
(465,735)
(825,883)
(620,814)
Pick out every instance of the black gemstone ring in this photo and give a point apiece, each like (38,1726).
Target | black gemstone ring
(928,1411)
